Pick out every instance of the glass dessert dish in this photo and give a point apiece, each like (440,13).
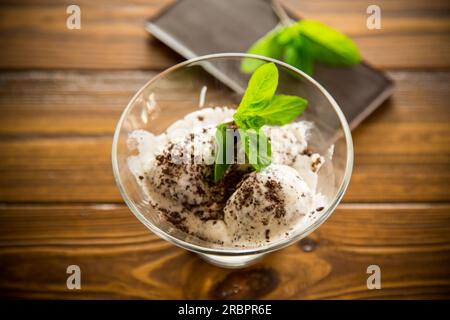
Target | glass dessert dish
(190,86)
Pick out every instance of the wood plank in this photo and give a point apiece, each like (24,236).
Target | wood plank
(404,147)
(56,132)
(57,170)
(66,103)
(112,34)
(90,103)
(120,258)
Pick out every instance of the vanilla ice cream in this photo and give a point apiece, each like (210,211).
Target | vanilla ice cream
(247,208)
(267,205)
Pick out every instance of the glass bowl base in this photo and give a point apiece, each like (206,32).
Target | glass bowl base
(231,262)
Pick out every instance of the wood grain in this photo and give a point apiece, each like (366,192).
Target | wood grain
(66,103)
(61,93)
(65,121)
(112,34)
(120,258)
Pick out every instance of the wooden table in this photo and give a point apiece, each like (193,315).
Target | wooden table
(62,91)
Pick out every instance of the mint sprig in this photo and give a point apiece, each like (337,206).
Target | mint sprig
(282,110)
(266,46)
(302,44)
(259,106)
(260,89)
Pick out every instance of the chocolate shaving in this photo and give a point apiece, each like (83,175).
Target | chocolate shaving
(307,152)
(315,164)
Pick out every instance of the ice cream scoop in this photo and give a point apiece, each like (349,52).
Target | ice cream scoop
(246,207)
(181,171)
(267,205)
(287,141)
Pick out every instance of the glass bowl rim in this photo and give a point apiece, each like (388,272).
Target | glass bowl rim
(235,251)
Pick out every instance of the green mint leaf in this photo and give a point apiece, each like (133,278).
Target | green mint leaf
(260,90)
(261,87)
(287,35)
(318,43)
(283,109)
(259,106)
(250,121)
(266,46)
(257,148)
(300,57)
(220,165)
(327,44)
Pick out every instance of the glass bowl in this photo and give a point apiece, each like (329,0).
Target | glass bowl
(188,86)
